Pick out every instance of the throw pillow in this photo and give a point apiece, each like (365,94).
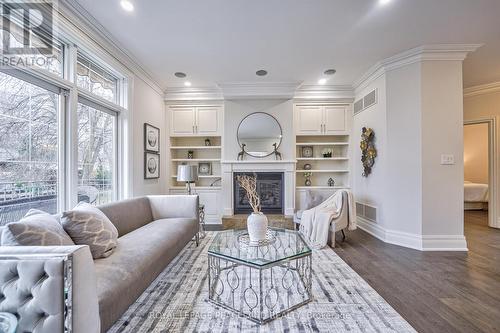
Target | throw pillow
(87,225)
(36,228)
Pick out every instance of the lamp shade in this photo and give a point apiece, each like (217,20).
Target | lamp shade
(187,173)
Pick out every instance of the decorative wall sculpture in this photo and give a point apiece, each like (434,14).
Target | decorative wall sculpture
(368,151)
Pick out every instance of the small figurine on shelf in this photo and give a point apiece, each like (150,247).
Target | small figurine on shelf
(331,182)
(307,166)
(327,153)
(307,176)
(207,142)
(190,154)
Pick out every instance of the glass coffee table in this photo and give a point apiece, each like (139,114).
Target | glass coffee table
(259,282)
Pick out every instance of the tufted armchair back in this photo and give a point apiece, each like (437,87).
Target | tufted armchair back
(49,289)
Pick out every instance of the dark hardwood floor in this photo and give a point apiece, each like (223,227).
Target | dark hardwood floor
(435,291)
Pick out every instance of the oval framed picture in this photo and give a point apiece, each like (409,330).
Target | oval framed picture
(151,165)
(151,138)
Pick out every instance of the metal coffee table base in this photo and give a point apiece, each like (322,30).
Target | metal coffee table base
(260,293)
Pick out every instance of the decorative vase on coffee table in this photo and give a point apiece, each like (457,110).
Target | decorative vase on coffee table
(257,226)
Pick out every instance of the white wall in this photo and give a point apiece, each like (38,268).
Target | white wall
(371,190)
(442,133)
(148,107)
(236,110)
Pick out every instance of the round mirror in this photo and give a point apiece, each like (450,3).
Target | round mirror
(257,134)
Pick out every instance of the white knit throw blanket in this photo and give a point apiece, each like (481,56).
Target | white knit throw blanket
(315,222)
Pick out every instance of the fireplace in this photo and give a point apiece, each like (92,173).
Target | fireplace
(270,189)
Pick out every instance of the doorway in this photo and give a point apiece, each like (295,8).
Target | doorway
(479,170)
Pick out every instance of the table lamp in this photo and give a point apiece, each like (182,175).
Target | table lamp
(188,174)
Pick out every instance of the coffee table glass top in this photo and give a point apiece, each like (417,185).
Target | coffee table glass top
(288,244)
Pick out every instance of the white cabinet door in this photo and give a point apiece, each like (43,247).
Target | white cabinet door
(309,120)
(207,121)
(183,121)
(334,120)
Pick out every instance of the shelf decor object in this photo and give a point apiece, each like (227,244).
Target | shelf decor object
(151,138)
(307,151)
(307,176)
(190,154)
(327,153)
(368,151)
(187,174)
(256,222)
(151,165)
(207,142)
(204,168)
(331,182)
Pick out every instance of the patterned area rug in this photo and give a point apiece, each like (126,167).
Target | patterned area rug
(177,302)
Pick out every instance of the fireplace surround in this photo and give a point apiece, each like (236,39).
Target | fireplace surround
(270,187)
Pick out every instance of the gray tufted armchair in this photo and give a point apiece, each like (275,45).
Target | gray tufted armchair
(36,284)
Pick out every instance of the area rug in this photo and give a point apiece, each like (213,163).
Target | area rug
(177,302)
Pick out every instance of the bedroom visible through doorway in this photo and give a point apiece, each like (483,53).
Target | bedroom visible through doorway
(478,157)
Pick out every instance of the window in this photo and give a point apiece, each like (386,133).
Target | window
(97,80)
(96,155)
(28,148)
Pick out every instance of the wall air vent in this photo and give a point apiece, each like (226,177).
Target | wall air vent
(367,212)
(364,103)
(370,99)
(358,106)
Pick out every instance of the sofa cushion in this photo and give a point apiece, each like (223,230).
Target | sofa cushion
(87,225)
(36,228)
(140,256)
(128,215)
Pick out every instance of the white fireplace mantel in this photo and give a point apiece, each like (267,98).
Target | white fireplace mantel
(285,166)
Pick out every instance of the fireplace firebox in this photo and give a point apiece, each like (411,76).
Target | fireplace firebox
(270,189)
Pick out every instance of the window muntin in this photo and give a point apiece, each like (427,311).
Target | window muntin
(29,148)
(96,155)
(96,79)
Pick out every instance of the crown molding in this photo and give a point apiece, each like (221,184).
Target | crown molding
(178,94)
(433,52)
(482,89)
(254,90)
(326,93)
(83,23)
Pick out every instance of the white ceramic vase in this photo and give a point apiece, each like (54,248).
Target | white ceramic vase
(257,226)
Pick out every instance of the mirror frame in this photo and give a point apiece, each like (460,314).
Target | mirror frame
(267,114)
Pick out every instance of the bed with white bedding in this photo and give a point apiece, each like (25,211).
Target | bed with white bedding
(475,196)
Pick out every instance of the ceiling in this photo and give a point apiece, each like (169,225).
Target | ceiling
(221,41)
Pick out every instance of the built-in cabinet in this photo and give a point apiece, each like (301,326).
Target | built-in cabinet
(321,119)
(195,120)
(195,138)
(321,129)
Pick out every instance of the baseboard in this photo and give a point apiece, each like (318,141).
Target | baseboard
(414,241)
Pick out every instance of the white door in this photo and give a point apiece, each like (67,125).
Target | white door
(334,119)
(309,120)
(207,122)
(182,121)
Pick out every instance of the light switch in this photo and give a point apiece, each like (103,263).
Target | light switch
(447,159)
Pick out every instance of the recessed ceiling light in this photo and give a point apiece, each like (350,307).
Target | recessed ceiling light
(321,81)
(187,84)
(330,72)
(383,2)
(180,75)
(261,72)
(127,5)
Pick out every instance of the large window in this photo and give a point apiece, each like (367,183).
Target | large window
(96,155)
(28,148)
(44,120)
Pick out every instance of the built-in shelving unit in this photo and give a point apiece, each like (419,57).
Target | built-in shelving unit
(323,168)
(179,148)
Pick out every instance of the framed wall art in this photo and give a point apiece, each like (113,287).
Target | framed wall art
(151,165)
(151,138)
